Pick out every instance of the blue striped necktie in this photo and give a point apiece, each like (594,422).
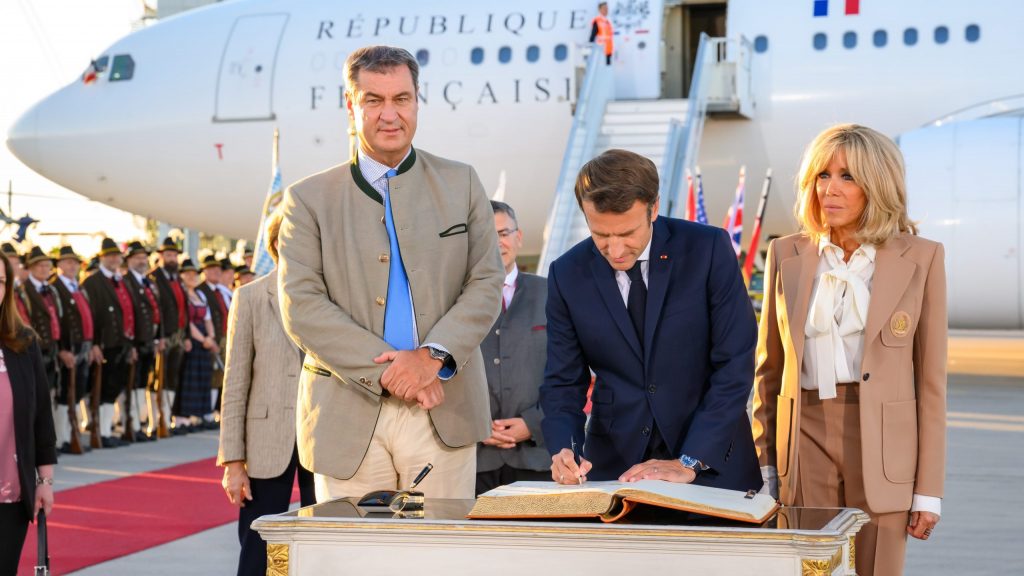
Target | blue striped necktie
(398,321)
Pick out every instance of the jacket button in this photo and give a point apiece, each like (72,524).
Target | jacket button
(866,376)
(364,381)
(497,360)
(646,431)
(652,388)
(383,258)
(380,300)
(497,332)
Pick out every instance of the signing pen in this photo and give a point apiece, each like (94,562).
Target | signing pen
(577,459)
(423,474)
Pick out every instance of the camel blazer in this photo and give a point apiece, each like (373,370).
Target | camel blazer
(261,381)
(334,280)
(903,381)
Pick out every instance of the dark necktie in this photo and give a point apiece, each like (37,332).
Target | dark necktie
(636,303)
(42,290)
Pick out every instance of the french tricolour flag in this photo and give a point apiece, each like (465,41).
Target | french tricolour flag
(821,7)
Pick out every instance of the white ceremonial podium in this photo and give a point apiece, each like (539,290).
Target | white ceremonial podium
(338,538)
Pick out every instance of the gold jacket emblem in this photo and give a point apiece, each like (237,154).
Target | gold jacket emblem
(900,324)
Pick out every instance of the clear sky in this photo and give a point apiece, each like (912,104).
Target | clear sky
(44,45)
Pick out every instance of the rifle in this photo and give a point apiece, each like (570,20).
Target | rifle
(75,442)
(129,395)
(158,375)
(94,405)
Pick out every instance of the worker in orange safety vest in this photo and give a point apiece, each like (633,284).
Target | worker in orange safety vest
(601,31)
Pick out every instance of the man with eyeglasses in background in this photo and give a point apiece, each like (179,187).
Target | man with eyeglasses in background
(514,353)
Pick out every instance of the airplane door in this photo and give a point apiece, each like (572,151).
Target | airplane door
(246,80)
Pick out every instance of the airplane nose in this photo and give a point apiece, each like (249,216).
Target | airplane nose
(23,138)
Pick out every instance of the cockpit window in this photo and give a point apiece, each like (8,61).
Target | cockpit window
(100,64)
(123,68)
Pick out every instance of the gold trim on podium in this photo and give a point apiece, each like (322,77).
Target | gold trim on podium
(277,560)
(822,567)
(580,529)
(852,565)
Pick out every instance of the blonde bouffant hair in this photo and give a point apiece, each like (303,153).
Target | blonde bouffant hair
(875,164)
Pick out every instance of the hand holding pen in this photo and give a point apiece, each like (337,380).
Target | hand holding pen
(569,466)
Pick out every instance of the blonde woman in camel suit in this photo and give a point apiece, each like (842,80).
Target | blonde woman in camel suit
(850,386)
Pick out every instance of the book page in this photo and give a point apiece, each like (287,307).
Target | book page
(553,488)
(703,499)
(689,497)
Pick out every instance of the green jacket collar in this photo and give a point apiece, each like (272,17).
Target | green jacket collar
(366,187)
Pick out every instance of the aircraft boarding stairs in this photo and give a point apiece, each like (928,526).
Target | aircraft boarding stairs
(667,131)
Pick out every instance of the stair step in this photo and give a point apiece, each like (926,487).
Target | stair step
(648,106)
(621,140)
(642,118)
(661,129)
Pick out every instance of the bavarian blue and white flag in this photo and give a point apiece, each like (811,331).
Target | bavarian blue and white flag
(262,263)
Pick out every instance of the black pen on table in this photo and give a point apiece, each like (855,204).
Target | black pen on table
(577,459)
(423,474)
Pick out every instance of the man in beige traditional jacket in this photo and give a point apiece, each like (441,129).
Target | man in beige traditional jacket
(389,279)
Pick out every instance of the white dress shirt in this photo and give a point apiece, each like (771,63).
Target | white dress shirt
(622,276)
(838,311)
(508,289)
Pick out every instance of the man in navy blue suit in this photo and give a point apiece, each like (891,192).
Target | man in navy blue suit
(657,309)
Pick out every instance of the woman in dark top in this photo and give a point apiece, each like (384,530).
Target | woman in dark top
(28,448)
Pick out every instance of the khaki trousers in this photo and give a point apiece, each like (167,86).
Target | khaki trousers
(403,442)
(829,474)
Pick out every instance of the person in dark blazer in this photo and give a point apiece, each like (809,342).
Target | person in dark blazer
(850,386)
(113,309)
(174,327)
(210,287)
(514,352)
(44,309)
(657,309)
(147,336)
(76,350)
(28,448)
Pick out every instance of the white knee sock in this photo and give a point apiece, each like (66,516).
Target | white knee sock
(106,419)
(62,425)
(140,415)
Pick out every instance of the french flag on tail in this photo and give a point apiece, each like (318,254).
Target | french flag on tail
(734,219)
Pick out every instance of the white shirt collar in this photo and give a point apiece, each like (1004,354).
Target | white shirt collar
(109,274)
(510,278)
(646,254)
(138,276)
(373,170)
(35,282)
(70,284)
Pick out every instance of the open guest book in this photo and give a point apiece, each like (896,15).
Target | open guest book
(610,501)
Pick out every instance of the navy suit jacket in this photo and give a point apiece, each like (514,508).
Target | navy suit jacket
(693,378)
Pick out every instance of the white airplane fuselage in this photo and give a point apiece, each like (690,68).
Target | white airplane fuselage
(187,139)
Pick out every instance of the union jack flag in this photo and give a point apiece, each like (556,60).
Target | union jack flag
(734,219)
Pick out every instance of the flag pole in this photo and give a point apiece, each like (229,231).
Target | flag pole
(748,264)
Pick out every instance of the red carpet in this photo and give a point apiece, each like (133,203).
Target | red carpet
(107,520)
